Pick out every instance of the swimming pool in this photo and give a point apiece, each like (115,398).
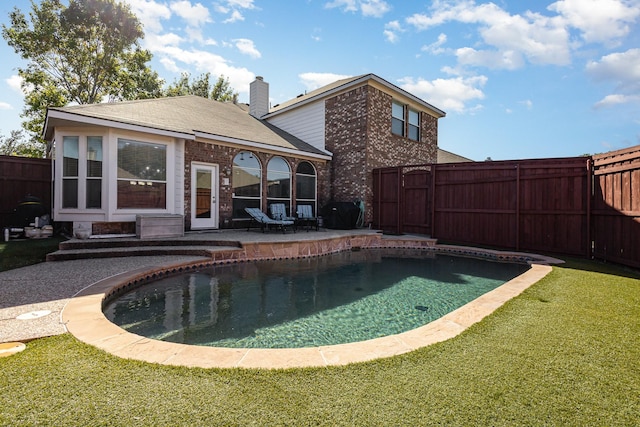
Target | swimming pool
(333,299)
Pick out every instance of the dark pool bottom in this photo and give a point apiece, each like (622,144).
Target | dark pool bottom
(310,302)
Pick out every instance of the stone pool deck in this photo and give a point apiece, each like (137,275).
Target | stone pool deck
(66,296)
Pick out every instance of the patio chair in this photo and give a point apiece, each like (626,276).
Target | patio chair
(305,216)
(279,211)
(265,222)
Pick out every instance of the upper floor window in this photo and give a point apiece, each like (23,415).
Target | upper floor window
(397,118)
(414,125)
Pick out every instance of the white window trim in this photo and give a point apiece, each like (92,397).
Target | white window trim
(82,135)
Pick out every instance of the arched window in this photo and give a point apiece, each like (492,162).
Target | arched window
(279,182)
(246,183)
(306,185)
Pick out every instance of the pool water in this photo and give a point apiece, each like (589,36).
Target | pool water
(334,299)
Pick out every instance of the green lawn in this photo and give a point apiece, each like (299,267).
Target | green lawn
(565,352)
(20,253)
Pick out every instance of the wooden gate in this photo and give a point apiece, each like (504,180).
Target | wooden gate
(402,199)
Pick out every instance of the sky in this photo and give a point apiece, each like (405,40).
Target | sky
(518,79)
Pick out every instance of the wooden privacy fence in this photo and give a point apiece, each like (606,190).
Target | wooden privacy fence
(20,177)
(616,206)
(576,206)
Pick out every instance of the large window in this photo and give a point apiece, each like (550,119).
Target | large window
(142,175)
(279,182)
(397,118)
(81,172)
(306,185)
(246,183)
(414,125)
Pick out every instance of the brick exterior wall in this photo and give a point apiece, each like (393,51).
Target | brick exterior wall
(223,157)
(358,133)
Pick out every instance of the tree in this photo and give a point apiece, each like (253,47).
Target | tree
(201,86)
(84,53)
(222,91)
(16,145)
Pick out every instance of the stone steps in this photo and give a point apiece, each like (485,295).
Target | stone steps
(112,248)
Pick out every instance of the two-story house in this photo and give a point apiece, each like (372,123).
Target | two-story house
(208,160)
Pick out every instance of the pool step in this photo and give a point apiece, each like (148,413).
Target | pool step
(74,254)
(86,249)
(78,244)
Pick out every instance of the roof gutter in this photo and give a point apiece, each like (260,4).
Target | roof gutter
(262,146)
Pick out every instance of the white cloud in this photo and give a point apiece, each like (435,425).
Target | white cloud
(508,39)
(242,4)
(391,30)
(5,106)
(374,8)
(15,83)
(448,94)
(616,99)
(235,16)
(150,13)
(436,47)
(599,21)
(528,104)
(246,47)
(315,80)
(623,68)
(171,65)
(346,5)
(507,59)
(195,15)
(233,7)
(201,61)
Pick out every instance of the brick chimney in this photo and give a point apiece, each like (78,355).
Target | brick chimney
(258,97)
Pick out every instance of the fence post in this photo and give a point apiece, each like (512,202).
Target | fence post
(590,194)
(433,199)
(517,206)
(399,206)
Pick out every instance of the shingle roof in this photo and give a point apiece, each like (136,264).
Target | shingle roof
(316,92)
(346,83)
(445,156)
(190,115)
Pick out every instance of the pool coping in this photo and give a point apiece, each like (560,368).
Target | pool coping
(83,317)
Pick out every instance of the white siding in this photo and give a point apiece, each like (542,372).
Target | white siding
(306,123)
